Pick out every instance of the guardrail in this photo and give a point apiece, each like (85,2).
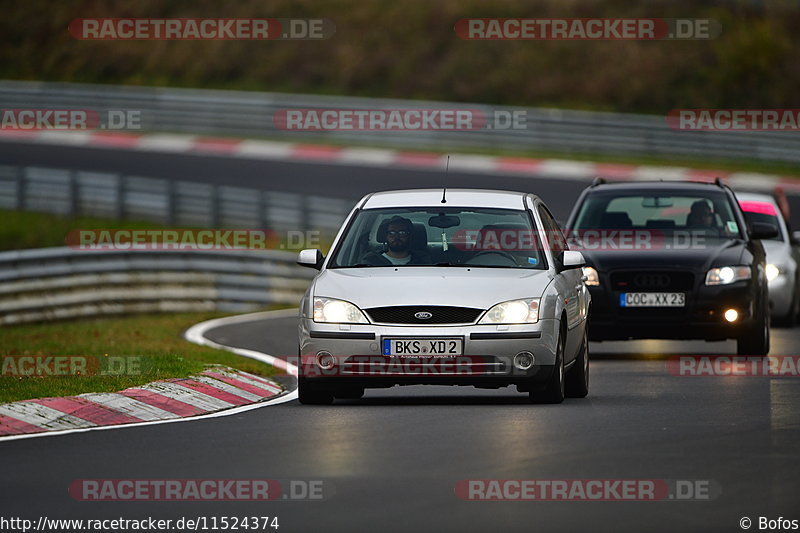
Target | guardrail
(56,283)
(250,114)
(175,203)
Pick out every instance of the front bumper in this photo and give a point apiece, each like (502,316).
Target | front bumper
(781,291)
(701,318)
(487,359)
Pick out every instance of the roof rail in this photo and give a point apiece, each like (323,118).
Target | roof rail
(598,181)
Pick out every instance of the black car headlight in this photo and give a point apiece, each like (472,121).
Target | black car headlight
(728,274)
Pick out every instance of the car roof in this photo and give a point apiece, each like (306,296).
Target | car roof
(455,198)
(657,185)
(756,197)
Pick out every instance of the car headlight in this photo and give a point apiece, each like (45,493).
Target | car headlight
(772,271)
(728,274)
(337,311)
(592,277)
(513,312)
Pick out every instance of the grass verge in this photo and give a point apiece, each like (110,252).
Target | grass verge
(154,339)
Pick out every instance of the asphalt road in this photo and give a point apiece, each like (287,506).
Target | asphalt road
(391,461)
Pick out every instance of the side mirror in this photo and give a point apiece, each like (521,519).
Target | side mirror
(571,259)
(311,258)
(762,230)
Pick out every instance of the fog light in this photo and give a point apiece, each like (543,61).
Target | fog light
(325,360)
(731,315)
(523,360)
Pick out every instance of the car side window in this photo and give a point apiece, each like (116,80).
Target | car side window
(553,233)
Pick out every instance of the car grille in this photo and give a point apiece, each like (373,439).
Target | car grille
(404,314)
(652,281)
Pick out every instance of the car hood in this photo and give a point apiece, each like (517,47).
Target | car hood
(777,251)
(476,287)
(711,254)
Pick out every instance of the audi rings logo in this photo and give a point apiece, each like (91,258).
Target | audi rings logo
(651,280)
(423,315)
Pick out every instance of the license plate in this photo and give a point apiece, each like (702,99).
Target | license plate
(423,347)
(652,299)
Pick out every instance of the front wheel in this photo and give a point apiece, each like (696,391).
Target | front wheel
(577,381)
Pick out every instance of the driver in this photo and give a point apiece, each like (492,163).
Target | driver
(398,241)
(701,215)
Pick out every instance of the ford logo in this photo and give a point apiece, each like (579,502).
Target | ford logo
(651,280)
(423,315)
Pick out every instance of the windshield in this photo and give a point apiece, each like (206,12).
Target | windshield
(666,212)
(461,237)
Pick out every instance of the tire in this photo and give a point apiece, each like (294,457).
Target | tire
(310,393)
(755,340)
(554,389)
(577,379)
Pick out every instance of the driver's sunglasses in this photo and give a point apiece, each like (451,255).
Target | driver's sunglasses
(398,233)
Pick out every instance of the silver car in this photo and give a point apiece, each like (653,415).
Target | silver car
(449,287)
(782,257)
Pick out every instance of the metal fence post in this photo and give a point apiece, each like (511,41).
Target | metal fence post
(74,193)
(21,188)
(121,192)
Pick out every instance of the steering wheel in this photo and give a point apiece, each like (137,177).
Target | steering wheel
(498,252)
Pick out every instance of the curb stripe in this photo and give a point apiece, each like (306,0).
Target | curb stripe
(197,399)
(42,416)
(200,388)
(87,410)
(229,388)
(13,426)
(129,406)
(259,390)
(162,402)
(252,377)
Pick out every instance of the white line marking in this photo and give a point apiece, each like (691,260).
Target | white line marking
(367,156)
(64,137)
(166,143)
(264,150)
(196,333)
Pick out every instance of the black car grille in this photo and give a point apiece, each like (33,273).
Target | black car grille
(404,314)
(652,281)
